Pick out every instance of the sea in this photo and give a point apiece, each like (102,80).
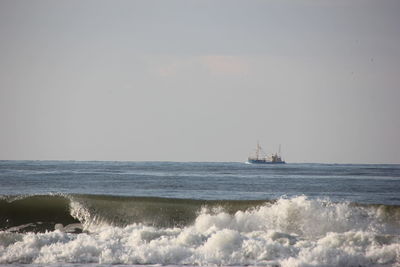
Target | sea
(104,213)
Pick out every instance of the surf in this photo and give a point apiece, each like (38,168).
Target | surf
(296,231)
(39,213)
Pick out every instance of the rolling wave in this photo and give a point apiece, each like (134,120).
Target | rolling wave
(294,231)
(41,213)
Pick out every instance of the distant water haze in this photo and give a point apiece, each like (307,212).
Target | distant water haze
(200,81)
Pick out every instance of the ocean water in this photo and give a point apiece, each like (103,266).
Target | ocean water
(66,213)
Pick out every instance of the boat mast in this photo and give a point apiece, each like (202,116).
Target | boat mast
(258,150)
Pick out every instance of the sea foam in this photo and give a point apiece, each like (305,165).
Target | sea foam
(289,232)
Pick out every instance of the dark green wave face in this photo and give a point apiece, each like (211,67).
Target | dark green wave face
(34,213)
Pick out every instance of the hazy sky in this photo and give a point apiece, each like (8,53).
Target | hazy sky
(200,80)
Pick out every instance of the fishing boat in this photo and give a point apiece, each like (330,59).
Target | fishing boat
(260,157)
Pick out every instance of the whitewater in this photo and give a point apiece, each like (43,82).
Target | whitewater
(198,214)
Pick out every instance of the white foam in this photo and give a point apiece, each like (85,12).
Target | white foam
(290,232)
(89,222)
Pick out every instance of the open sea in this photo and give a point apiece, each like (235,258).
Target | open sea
(68,213)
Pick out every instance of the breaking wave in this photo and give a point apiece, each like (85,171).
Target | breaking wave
(294,231)
(39,213)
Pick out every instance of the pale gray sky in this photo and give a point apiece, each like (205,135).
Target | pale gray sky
(200,80)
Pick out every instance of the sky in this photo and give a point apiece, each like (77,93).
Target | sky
(184,80)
